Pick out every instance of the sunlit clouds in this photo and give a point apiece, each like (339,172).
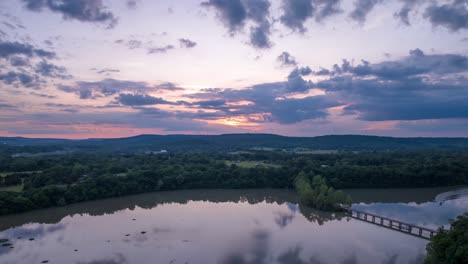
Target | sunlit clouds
(300,67)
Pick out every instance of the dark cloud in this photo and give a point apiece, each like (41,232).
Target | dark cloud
(81,10)
(187,43)
(305,71)
(285,59)
(234,14)
(296,83)
(417,63)
(295,13)
(362,8)
(20,79)
(44,68)
(231,12)
(415,87)
(8,49)
(453,16)
(406,9)
(140,99)
(18,61)
(260,36)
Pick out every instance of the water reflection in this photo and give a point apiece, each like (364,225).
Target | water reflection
(217,226)
(430,214)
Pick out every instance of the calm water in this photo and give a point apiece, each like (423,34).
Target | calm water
(224,226)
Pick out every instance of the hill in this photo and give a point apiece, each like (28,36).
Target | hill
(233,142)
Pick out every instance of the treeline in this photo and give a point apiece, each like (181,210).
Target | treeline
(58,180)
(61,181)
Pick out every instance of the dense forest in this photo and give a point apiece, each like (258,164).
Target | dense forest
(37,181)
(450,246)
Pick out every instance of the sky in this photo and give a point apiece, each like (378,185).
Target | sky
(103,69)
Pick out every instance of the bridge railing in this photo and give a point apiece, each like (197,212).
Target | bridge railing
(422,232)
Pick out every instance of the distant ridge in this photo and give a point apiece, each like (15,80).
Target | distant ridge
(181,142)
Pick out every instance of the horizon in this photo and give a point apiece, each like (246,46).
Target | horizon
(301,68)
(228,134)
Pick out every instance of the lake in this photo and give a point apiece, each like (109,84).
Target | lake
(226,226)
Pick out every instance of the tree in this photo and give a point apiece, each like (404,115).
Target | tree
(450,246)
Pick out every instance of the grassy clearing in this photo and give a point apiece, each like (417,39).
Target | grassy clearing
(13,188)
(324,151)
(265,149)
(252,164)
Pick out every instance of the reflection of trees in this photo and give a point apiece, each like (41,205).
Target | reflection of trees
(320,217)
(147,201)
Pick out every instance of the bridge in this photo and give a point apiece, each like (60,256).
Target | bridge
(410,229)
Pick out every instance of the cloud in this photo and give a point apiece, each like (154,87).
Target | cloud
(8,49)
(235,14)
(453,16)
(18,61)
(82,10)
(362,8)
(132,4)
(163,49)
(7,106)
(417,63)
(416,87)
(327,8)
(20,78)
(296,83)
(169,87)
(295,13)
(187,43)
(285,59)
(50,70)
(140,99)
(105,71)
(231,12)
(260,36)
(151,48)
(268,102)
(27,65)
(408,6)
(305,71)
(110,87)
(43,95)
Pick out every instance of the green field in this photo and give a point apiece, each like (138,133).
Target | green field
(252,164)
(318,151)
(14,188)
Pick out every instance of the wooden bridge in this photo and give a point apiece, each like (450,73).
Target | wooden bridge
(422,232)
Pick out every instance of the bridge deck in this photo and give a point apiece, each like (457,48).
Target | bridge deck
(410,229)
